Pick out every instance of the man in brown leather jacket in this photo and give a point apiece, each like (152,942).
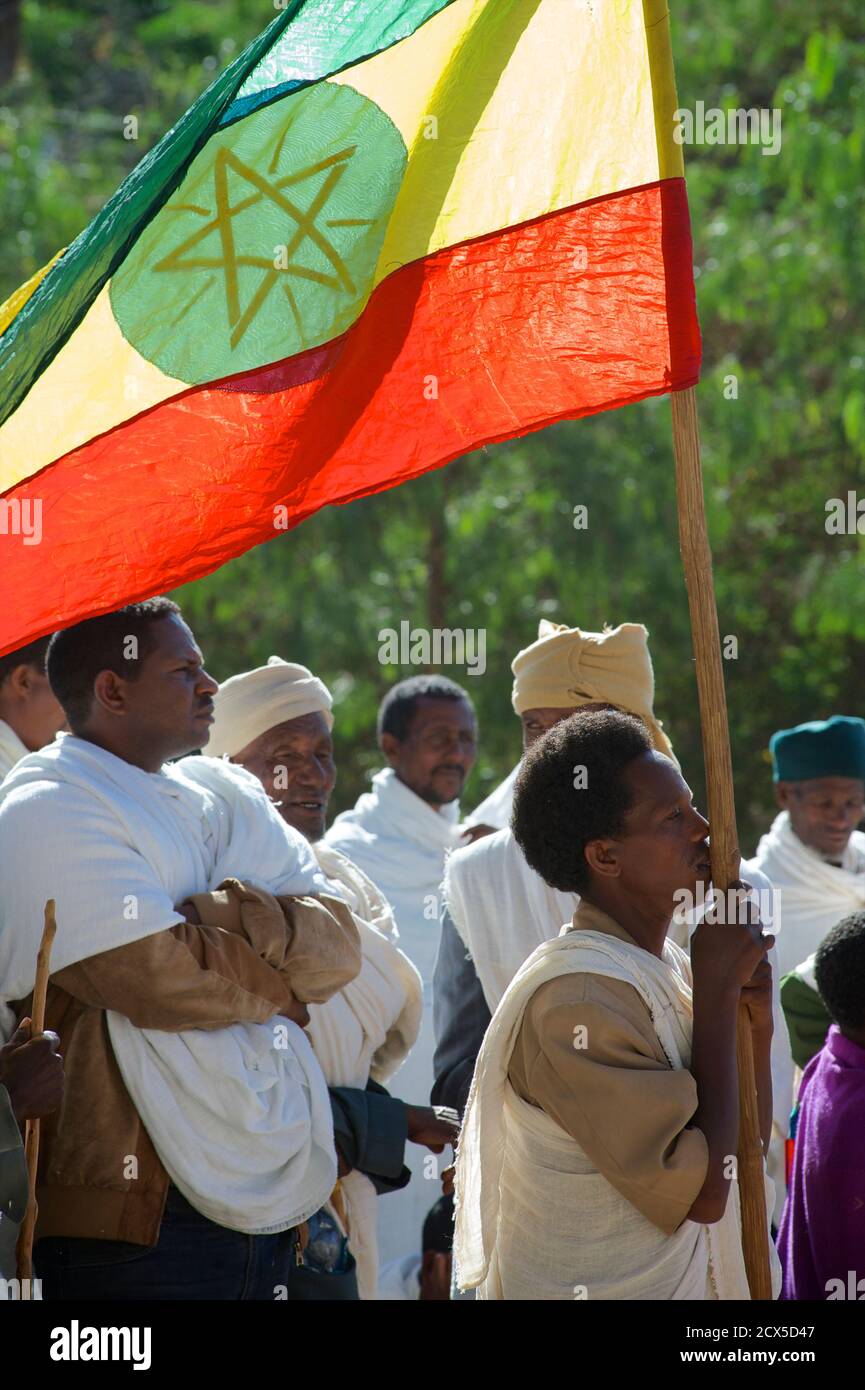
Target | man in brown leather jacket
(111,1225)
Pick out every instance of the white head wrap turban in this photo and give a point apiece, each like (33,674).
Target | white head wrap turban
(566,668)
(247,705)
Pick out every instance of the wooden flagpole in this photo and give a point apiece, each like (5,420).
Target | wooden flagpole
(697,560)
(31,1137)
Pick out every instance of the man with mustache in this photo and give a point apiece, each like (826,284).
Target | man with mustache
(195,1133)
(399,833)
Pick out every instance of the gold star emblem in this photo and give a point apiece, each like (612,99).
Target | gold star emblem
(269,246)
(288,262)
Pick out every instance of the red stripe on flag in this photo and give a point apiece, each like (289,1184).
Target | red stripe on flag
(576,312)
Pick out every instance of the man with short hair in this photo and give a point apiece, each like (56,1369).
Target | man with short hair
(594,1157)
(195,1134)
(497,909)
(813,854)
(399,833)
(30,713)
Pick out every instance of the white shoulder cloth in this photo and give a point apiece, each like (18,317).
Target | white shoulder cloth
(239,1116)
(534,1218)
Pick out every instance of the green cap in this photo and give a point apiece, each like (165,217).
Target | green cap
(824,748)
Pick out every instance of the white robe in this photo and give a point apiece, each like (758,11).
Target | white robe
(366,1030)
(239,1116)
(400,842)
(812,894)
(534,1217)
(501,909)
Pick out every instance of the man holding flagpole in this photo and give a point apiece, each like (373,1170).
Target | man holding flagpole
(598,1151)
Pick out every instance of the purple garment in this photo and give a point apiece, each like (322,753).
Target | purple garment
(822,1236)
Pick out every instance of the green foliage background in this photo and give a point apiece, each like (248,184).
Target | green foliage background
(490,542)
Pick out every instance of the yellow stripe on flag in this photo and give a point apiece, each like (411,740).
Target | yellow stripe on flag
(96,381)
(515,108)
(11,307)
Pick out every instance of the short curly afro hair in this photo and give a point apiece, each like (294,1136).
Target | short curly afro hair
(839,969)
(553,820)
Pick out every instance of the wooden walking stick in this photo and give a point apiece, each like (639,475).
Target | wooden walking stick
(697,560)
(31,1136)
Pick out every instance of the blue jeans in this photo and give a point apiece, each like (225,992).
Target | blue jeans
(193,1259)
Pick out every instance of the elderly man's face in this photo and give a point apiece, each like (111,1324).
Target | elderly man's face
(824,811)
(294,763)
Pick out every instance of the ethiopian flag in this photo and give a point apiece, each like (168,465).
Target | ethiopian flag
(390,232)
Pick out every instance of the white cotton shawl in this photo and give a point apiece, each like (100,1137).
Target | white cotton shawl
(534,1218)
(366,1030)
(239,1116)
(812,896)
(369,1027)
(400,842)
(501,908)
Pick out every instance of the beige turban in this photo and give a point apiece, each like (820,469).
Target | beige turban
(247,705)
(567,668)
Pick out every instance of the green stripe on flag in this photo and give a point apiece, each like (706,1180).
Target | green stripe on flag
(308,41)
(295,59)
